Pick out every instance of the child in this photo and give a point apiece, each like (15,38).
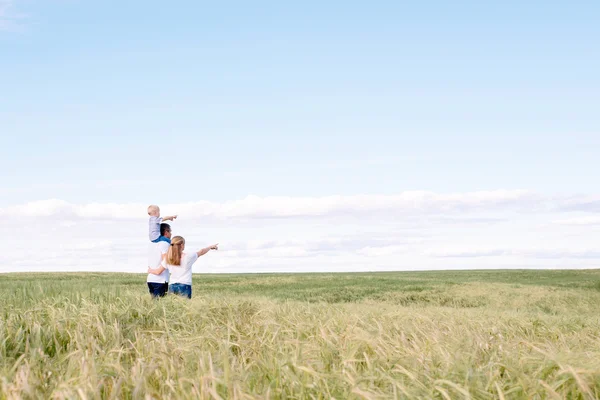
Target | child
(155,221)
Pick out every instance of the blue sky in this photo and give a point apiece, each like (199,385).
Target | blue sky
(188,101)
(272,98)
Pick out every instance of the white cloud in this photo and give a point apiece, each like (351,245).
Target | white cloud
(4,9)
(343,243)
(587,220)
(581,203)
(467,252)
(408,231)
(378,251)
(9,19)
(110,185)
(542,253)
(289,207)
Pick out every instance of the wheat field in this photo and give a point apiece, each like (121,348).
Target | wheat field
(443,335)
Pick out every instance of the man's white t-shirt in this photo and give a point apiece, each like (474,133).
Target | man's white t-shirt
(155,252)
(182,273)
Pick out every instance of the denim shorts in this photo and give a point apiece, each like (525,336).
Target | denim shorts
(181,289)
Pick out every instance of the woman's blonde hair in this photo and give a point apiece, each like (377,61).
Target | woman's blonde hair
(175,250)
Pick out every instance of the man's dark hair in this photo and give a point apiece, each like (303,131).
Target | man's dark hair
(164,228)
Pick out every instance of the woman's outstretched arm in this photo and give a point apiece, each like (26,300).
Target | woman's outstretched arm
(207,249)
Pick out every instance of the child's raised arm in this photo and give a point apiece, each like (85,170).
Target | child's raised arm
(170,218)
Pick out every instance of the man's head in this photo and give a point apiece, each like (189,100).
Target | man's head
(165,230)
(153,210)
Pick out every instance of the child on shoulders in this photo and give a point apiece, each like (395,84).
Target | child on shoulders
(154,224)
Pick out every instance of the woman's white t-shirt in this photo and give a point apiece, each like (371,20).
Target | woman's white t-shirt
(182,273)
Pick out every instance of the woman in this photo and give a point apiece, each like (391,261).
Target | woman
(179,265)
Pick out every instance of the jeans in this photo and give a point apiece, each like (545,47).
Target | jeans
(158,289)
(162,239)
(181,289)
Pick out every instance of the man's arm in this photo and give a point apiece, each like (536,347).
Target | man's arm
(156,271)
(170,218)
(207,249)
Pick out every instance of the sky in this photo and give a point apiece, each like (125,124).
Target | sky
(305,136)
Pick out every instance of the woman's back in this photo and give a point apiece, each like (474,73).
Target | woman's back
(182,273)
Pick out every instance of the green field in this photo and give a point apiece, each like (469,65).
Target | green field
(446,335)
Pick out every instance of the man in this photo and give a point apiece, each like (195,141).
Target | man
(158,285)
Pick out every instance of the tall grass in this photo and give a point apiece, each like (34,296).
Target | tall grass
(398,335)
